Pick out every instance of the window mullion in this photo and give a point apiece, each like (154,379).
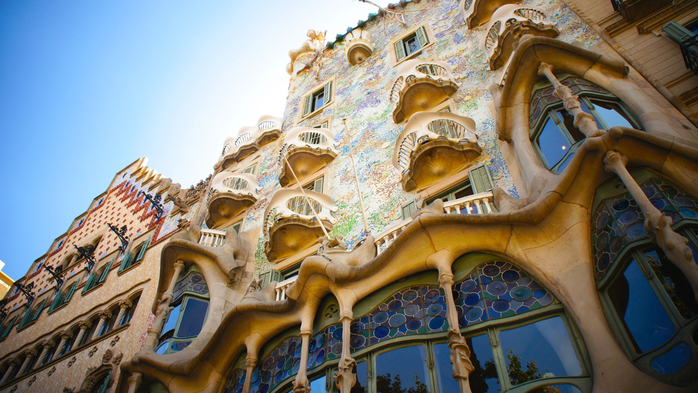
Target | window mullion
(500,358)
(658,289)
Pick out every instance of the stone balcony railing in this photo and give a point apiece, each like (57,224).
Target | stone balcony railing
(508,24)
(478,12)
(212,237)
(282,287)
(231,194)
(358,46)
(482,203)
(290,223)
(433,146)
(420,86)
(249,140)
(306,150)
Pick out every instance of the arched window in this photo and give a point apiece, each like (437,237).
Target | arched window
(649,303)
(520,336)
(128,315)
(187,318)
(69,343)
(109,323)
(553,132)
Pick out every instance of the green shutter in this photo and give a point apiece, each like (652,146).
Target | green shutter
(677,32)
(276,276)
(480,179)
(422,37)
(399,50)
(106,271)
(126,262)
(145,246)
(57,301)
(328,92)
(70,293)
(318,184)
(26,318)
(6,331)
(35,316)
(88,284)
(306,105)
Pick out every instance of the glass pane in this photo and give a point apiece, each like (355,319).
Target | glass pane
(540,350)
(402,370)
(318,385)
(444,369)
(553,145)
(319,100)
(568,120)
(172,319)
(673,360)
(193,318)
(361,385)
(674,282)
(611,114)
(162,347)
(484,378)
(639,309)
(558,389)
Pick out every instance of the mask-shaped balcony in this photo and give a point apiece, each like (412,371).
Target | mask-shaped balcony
(232,193)
(306,150)
(420,86)
(290,224)
(358,46)
(478,12)
(249,140)
(509,23)
(434,146)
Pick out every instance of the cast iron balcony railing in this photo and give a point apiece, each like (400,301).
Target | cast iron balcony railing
(434,146)
(249,140)
(290,221)
(689,50)
(306,150)
(508,24)
(231,194)
(420,86)
(634,10)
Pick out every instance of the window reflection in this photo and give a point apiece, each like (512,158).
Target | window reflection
(553,145)
(318,384)
(402,370)
(193,318)
(361,385)
(484,378)
(674,283)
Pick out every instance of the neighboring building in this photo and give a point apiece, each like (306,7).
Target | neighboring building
(471,196)
(5,281)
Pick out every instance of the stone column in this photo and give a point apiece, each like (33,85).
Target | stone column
(103,318)
(674,245)
(124,305)
(14,363)
(29,356)
(582,120)
(250,365)
(344,377)
(46,346)
(163,309)
(65,336)
(134,382)
(84,326)
(301,384)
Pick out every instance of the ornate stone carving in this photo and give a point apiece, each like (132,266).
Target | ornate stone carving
(68,390)
(52,370)
(14,389)
(71,361)
(114,341)
(107,356)
(117,359)
(92,352)
(31,380)
(314,46)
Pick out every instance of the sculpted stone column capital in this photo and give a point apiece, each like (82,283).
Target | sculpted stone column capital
(48,344)
(104,314)
(544,69)
(125,303)
(15,362)
(31,353)
(613,161)
(84,325)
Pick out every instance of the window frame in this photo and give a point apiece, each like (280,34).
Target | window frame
(308,101)
(397,57)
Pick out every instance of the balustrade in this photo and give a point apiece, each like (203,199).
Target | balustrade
(305,151)
(420,86)
(212,237)
(249,140)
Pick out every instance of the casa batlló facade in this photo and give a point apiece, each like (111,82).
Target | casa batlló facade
(461,196)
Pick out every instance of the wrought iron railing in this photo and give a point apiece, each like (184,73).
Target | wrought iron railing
(689,50)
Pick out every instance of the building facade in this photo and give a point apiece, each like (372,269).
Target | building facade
(461,196)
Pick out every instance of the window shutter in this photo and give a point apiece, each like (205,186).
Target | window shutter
(145,246)
(35,316)
(318,184)
(126,262)
(276,276)
(422,36)
(57,301)
(677,32)
(70,293)
(399,50)
(106,271)
(25,319)
(265,278)
(327,92)
(480,179)
(9,327)
(88,284)
(306,105)
(408,209)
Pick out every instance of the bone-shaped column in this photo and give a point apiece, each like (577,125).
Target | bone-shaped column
(163,309)
(674,245)
(301,384)
(344,377)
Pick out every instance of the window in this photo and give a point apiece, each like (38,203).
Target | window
(63,297)
(134,256)
(129,314)
(187,318)
(318,99)
(50,352)
(31,315)
(324,124)
(685,36)
(69,342)
(553,132)
(109,323)
(252,169)
(316,185)
(89,332)
(479,180)
(237,227)
(5,329)
(411,44)
(408,209)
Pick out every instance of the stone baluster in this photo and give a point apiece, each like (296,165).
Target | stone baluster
(582,120)
(460,352)
(163,309)
(344,377)
(45,347)
(124,305)
(14,363)
(674,245)
(27,360)
(84,326)
(103,318)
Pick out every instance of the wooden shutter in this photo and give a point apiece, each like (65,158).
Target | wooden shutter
(88,284)
(145,246)
(399,50)
(265,278)
(327,93)
(38,310)
(422,37)
(106,271)
(26,318)
(57,301)
(318,184)
(126,262)
(306,105)
(6,331)
(480,179)
(677,32)
(70,293)
(276,276)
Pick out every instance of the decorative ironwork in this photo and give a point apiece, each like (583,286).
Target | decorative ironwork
(689,50)
(121,234)
(156,202)
(87,252)
(27,291)
(56,273)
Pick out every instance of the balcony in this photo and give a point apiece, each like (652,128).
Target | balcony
(509,23)
(634,10)
(290,224)
(231,194)
(420,86)
(212,237)
(249,140)
(434,146)
(282,287)
(478,12)
(358,47)
(306,150)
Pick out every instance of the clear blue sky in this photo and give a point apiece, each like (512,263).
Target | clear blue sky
(87,87)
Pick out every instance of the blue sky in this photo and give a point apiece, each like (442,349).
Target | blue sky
(87,87)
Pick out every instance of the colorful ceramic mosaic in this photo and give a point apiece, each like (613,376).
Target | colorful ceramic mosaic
(619,221)
(236,381)
(496,290)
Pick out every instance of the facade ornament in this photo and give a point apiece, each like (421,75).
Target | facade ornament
(68,390)
(315,45)
(92,352)
(31,380)
(301,383)
(344,377)
(114,341)
(657,223)
(14,389)
(173,196)
(52,370)
(107,356)
(117,359)
(72,360)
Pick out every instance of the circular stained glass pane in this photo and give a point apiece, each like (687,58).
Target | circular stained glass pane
(412,309)
(472,299)
(320,356)
(434,309)
(289,363)
(616,244)
(357,341)
(380,317)
(381,331)
(602,220)
(669,189)
(521,293)
(196,278)
(603,262)
(659,203)
(636,231)
(410,295)
(337,334)
(649,191)
(473,314)
(395,305)
(688,213)
(685,201)
(511,276)
(268,363)
(397,320)
(468,285)
(337,348)
(628,217)
(264,388)
(497,288)
(414,324)
(621,204)
(320,340)
(436,323)
(311,346)
(432,295)
(500,305)
(284,347)
(356,328)
(602,241)
(491,270)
